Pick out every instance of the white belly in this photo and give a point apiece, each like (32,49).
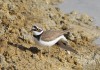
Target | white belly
(51,43)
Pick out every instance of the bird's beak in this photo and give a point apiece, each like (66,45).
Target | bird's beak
(31,30)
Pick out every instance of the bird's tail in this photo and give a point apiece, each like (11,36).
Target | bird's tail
(66,47)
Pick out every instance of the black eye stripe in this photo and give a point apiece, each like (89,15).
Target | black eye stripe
(35,27)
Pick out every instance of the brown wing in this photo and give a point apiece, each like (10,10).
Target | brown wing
(51,34)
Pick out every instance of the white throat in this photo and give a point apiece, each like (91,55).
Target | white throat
(37,33)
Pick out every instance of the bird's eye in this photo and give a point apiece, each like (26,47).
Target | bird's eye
(35,28)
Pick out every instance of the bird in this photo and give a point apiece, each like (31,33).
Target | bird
(51,37)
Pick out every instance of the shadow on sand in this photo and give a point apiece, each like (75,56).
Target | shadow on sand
(23,48)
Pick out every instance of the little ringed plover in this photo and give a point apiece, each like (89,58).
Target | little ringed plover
(51,37)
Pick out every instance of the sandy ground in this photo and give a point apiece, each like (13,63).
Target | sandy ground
(18,51)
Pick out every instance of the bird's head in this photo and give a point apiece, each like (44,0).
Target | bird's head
(36,30)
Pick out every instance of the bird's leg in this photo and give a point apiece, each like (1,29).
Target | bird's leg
(41,53)
(48,54)
(16,50)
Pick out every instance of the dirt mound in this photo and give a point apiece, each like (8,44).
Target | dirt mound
(18,50)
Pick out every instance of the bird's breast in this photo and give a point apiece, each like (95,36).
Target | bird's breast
(51,42)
